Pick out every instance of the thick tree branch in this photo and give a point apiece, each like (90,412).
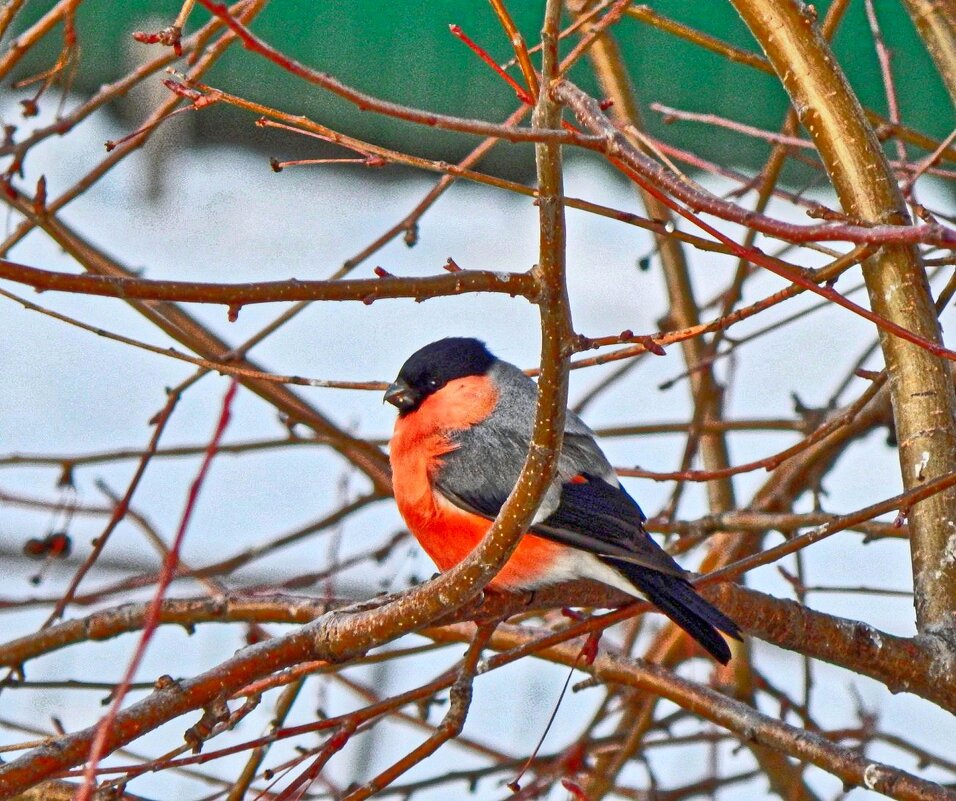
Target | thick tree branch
(924,403)
(936,23)
(921,666)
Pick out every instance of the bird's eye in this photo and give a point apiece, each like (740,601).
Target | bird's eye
(433,383)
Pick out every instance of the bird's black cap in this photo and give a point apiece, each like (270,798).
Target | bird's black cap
(431,367)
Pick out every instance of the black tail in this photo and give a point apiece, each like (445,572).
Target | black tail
(677,599)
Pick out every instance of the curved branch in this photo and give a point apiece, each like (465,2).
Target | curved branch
(917,665)
(924,403)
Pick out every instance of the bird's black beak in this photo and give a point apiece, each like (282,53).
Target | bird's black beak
(400,395)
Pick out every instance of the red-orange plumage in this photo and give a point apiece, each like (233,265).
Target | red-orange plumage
(447,533)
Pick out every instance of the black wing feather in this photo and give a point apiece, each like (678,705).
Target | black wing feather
(598,517)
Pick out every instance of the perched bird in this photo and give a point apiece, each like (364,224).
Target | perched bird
(461,437)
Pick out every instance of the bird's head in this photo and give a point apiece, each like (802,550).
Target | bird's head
(430,368)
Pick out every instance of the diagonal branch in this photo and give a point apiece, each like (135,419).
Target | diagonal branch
(615,146)
(366,102)
(849,765)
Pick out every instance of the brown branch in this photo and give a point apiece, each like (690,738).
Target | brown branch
(20,46)
(924,401)
(936,23)
(109,623)
(365,290)
(669,113)
(833,423)
(785,522)
(923,666)
(7,13)
(911,665)
(747,723)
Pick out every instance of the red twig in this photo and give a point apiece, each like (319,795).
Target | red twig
(479,51)
(884,56)
(619,150)
(119,512)
(85,793)
(369,103)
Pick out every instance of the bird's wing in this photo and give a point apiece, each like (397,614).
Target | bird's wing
(584,508)
(601,518)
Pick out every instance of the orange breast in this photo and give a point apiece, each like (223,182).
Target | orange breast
(448,534)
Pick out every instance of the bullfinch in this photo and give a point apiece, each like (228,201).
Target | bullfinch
(461,437)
